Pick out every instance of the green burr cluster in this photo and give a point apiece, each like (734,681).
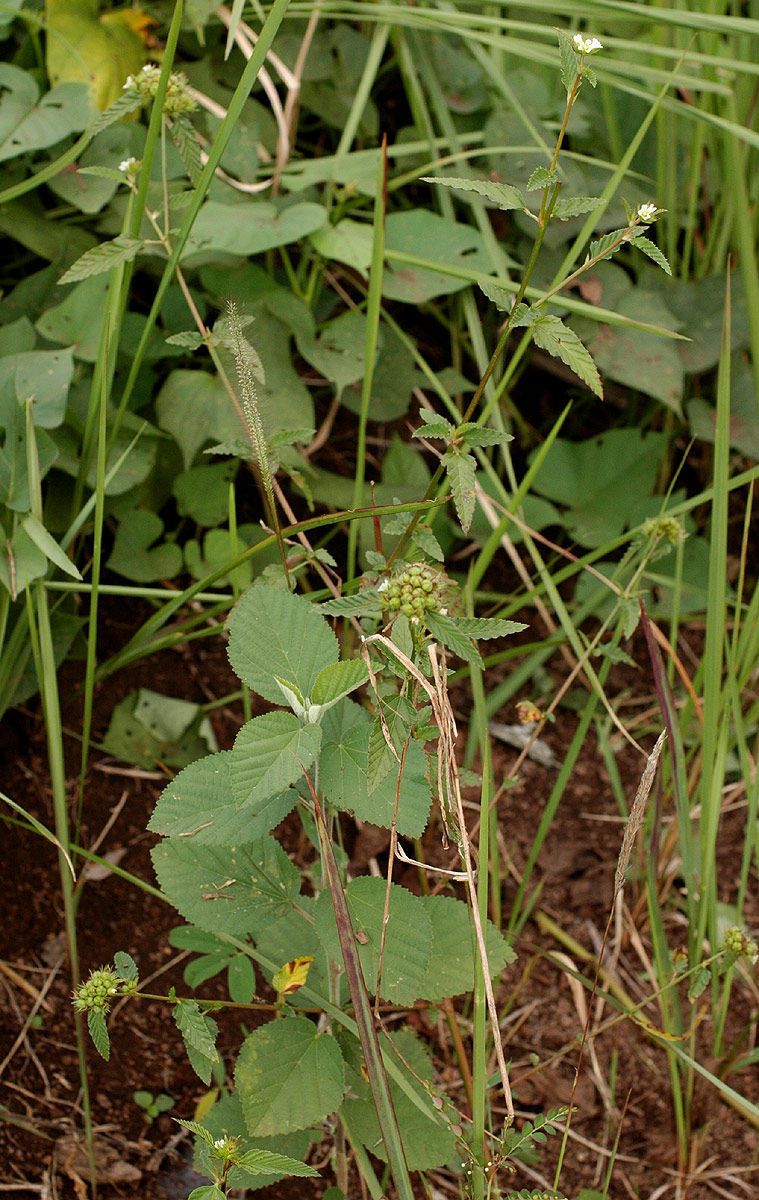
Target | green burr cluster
(97,992)
(414,591)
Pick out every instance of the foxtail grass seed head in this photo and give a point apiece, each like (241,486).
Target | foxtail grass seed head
(637,813)
(586,45)
(249,397)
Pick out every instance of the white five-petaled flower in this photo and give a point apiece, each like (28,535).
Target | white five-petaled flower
(647,212)
(128,165)
(586,45)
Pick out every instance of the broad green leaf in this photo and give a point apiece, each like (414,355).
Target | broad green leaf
(99,1032)
(461,470)
(637,359)
(652,251)
(206,1191)
(199,804)
(276,633)
(48,545)
(451,969)
(339,351)
(29,123)
(551,334)
(447,631)
(103,258)
(271,752)
(203,492)
(337,680)
(77,320)
(575,206)
(503,195)
(343,777)
(602,480)
(397,714)
(447,242)
(427,1142)
(199,1033)
(408,945)
(42,376)
(241,979)
(93,180)
(235,890)
(348,242)
(251,227)
(147,728)
(134,554)
(195,409)
(288,1076)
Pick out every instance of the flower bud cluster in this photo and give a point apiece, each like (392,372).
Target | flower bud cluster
(668,528)
(738,942)
(414,591)
(96,993)
(178,99)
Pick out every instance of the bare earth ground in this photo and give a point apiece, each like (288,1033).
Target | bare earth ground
(38,1074)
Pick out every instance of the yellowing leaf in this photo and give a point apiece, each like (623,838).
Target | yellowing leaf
(292,976)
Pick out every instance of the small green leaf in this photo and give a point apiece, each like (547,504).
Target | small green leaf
(540,179)
(462,470)
(478,435)
(501,297)
(570,63)
(99,1032)
(699,983)
(364,603)
(483,628)
(199,1033)
(603,247)
(338,680)
(453,638)
(575,206)
(102,258)
(503,195)
(653,252)
(199,1130)
(264,1162)
(552,335)
(438,428)
(125,965)
(207,1191)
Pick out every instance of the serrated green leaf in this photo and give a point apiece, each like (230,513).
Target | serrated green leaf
(479,435)
(363,603)
(126,103)
(447,631)
(199,1033)
(451,969)
(575,206)
(102,258)
(99,1032)
(206,1191)
(199,1130)
(273,632)
(652,251)
(434,429)
(569,62)
(270,753)
(503,195)
(188,339)
(408,945)
(552,335)
(461,470)
(227,889)
(397,713)
(699,983)
(501,297)
(540,179)
(343,776)
(482,628)
(109,173)
(125,965)
(265,1162)
(185,139)
(199,805)
(337,680)
(603,247)
(428,1141)
(288,1076)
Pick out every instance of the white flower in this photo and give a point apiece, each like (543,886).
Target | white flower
(647,213)
(128,83)
(382,587)
(586,45)
(129,166)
